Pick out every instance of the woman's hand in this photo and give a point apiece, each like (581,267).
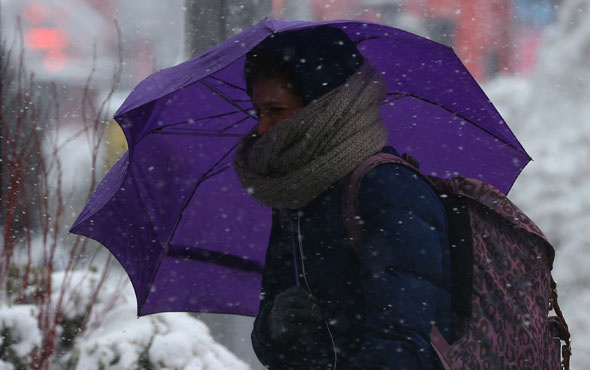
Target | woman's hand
(295,317)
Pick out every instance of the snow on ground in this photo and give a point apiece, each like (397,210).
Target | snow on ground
(550,114)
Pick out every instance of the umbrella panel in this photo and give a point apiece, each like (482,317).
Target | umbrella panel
(226,225)
(187,285)
(434,136)
(434,73)
(177,171)
(118,221)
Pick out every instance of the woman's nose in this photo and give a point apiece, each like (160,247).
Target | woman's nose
(264,124)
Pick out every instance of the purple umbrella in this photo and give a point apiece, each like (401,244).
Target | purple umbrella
(172,210)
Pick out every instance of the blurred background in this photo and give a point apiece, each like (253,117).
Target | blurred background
(532,58)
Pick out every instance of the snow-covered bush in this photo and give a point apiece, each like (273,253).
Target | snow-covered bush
(161,341)
(110,335)
(19,335)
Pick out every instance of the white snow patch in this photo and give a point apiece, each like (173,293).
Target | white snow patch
(21,320)
(167,340)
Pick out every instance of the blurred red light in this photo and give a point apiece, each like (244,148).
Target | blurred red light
(46,38)
(52,42)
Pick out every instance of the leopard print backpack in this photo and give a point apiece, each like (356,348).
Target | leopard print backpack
(502,288)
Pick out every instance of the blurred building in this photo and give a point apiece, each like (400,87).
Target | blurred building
(59,36)
(490,36)
(531,18)
(480,31)
(67,39)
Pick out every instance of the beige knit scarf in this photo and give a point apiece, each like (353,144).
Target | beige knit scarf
(299,158)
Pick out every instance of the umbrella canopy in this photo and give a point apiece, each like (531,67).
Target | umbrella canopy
(172,210)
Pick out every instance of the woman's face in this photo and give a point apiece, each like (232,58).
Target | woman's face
(274,101)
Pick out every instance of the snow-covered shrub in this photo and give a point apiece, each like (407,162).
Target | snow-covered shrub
(105,333)
(117,339)
(19,335)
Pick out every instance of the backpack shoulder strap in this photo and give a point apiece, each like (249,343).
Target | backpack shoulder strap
(350,201)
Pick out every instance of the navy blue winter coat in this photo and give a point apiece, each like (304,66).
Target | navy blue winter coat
(380,305)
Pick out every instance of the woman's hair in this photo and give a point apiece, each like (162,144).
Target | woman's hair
(313,60)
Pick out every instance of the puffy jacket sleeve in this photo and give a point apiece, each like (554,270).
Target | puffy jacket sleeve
(262,344)
(401,268)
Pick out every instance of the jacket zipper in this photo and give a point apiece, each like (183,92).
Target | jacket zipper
(301,256)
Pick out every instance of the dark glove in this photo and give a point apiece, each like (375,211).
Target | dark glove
(295,317)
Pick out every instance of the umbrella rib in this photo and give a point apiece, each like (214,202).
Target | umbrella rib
(392,100)
(357,42)
(219,258)
(229,84)
(212,174)
(204,177)
(160,132)
(458,115)
(228,100)
(189,121)
(233,124)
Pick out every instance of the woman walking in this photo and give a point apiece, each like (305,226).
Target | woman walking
(324,305)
